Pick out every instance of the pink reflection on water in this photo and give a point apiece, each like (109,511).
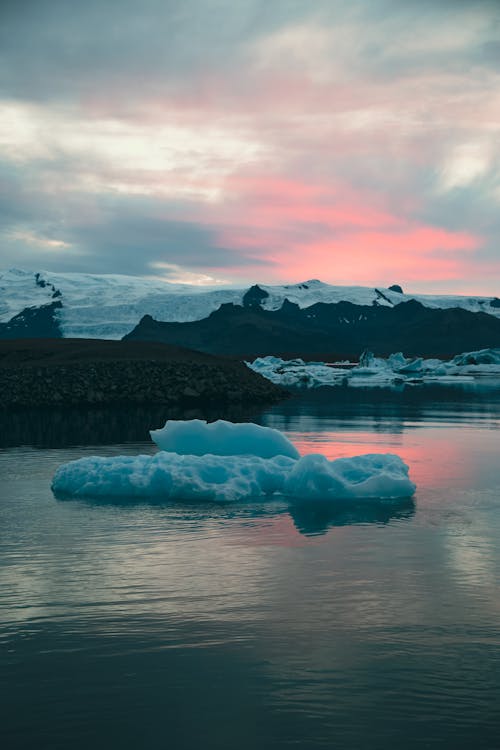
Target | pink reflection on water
(442,460)
(437,456)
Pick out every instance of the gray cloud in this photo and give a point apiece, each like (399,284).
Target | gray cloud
(51,48)
(101,234)
(433,66)
(54,49)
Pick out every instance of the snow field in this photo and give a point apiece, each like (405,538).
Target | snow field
(109,306)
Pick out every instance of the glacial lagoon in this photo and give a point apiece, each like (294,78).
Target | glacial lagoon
(258,624)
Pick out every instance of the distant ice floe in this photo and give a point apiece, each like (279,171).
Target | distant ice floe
(376,371)
(263,463)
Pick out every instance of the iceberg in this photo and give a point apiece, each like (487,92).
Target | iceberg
(295,373)
(481,357)
(215,474)
(377,371)
(196,437)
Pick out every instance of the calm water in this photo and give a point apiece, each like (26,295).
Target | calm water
(257,625)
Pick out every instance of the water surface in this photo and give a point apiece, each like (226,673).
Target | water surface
(257,625)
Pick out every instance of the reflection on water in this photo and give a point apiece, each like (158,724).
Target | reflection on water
(318,518)
(380,409)
(308,519)
(58,428)
(258,625)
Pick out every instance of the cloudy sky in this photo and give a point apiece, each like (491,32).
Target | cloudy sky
(253,140)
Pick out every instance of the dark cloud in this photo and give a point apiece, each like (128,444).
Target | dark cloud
(102,234)
(54,48)
(133,236)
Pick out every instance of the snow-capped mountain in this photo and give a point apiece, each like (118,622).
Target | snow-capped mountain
(109,306)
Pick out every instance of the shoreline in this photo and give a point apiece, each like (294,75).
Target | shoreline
(82,372)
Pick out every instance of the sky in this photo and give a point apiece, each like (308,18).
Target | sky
(223,142)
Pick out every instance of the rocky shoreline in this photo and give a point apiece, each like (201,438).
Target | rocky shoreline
(73,372)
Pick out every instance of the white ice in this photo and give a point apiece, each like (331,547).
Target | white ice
(295,373)
(197,438)
(377,371)
(219,476)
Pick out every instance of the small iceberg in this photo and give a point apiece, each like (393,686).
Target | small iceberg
(225,462)
(377,371)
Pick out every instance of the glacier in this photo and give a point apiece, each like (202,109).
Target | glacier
(378,371)
(214,475)
(110,305)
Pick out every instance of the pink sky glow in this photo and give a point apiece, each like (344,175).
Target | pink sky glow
(358,146)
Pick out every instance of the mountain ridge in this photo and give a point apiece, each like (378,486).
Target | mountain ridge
(341,329)
(305,319)
(110,306)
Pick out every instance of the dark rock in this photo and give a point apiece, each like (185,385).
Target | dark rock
(254,296)
(39,281)
(190,393)
(75,372)
(396,288)
(33,322)
(327,331)
(289,308)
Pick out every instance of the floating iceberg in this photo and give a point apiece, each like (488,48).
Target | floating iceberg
(377,371)
(295,373)
(477,359)
(216,475)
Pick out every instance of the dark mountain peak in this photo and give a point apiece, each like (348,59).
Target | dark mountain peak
(410,306)
(341,327)
(289,308)
(33,322)
(230,310)
(396,288)
(254,296)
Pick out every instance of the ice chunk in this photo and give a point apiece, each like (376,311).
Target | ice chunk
(373,475)
(199,438)
(295,373)
(377,371)
(481,357)
(170,476)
